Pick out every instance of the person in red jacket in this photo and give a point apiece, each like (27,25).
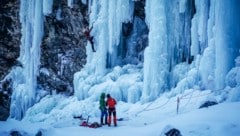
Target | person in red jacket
(111,102)
(87,33)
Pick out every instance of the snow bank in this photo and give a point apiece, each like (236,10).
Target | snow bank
(53,115)
(123,83)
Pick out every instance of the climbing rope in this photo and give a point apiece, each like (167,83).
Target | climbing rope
(158,106)
(198,95)
(144,108)
(189,98)
(183,97)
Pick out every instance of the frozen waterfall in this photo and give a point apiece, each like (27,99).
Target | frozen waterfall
(156,54)
(191,45)
(222,43)
(106,18)
(226,38)
(25,77)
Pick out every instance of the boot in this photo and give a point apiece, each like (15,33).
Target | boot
(109,120)
(101,121)
(115,120)
(106,122)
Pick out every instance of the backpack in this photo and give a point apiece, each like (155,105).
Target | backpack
(95,125)
(84,124)
(111,103)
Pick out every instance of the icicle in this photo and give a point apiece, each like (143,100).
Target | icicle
(58,14)
(199,27)
(106,18)
(70,3)
(25,78)
(226,38)
(207,63)
(182,6)
(84,1)
(222,38)
(155,55)
(47,7)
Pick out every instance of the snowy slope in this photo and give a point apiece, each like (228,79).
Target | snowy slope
(53,116)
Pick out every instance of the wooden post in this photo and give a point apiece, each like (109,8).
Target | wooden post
(178,101)
(87,119)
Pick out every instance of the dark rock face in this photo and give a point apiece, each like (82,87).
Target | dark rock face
(5,98)
(10,35)
(63,46)
(4,106)
(139,10)
(134,39)
(135,34)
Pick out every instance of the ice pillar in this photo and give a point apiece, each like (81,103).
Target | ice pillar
(156,54)
(25,77)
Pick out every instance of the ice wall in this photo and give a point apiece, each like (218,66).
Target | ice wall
(106,18)
(207,63)
(199,27)
(203,31)
(226,38)
(169,38)
(135,42)
(213,44)
(156,54)
(192,44)
(223,46)
(179,14)
(25,77)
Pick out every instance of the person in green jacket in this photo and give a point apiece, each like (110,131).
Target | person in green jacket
(103,109)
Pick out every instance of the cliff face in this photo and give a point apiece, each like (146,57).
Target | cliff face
(63,46)
(10,36)
(62,49)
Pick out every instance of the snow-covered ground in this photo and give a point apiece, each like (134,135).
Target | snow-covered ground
(53,116)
